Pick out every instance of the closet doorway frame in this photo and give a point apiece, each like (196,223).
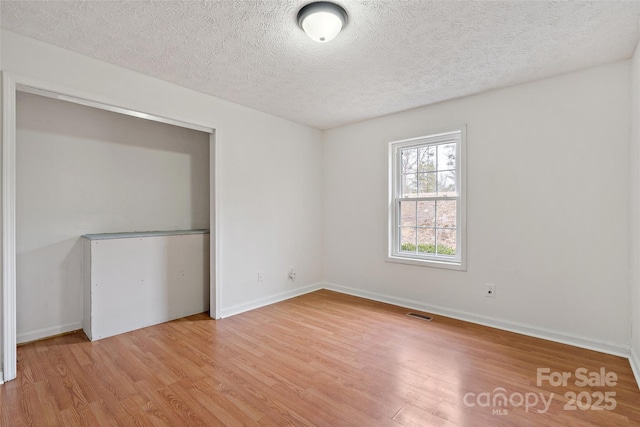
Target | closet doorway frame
(13,83)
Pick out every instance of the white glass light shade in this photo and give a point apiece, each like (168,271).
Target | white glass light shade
(322,26)
(322,21)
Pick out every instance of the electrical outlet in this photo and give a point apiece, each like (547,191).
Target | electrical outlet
(292,273)
(490,290)
(260,277)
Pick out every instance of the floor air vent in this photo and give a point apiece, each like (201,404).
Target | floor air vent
(420,316)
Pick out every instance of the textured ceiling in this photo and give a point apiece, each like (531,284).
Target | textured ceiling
(393,55)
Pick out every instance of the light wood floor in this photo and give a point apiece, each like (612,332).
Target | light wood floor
(322,359)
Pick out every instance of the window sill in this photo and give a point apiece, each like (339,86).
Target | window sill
(451,265)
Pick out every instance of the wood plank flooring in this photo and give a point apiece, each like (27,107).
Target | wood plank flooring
(322,359)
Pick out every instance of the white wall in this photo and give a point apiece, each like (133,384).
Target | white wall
(547,208)
(269,177)
(79,171)
(1,272)
(634,213)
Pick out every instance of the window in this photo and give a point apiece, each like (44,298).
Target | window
(426,201)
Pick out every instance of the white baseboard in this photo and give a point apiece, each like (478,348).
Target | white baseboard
(556,336)
(1,377)
(23,337)
(237,309)
(634,360)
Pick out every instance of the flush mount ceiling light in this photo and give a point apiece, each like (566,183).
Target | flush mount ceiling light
(322,21)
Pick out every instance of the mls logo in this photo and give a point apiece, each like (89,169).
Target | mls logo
(500,412)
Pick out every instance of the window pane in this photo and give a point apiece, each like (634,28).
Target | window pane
(427,159)
(409,160)
(408,214)
(427,200)
(446,214)
(447,183)
(407,239)
(427,184)
(426,214)
(446,156)
(409,185)
(426,240)
(446,241)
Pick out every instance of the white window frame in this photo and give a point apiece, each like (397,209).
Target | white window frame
(457,262)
